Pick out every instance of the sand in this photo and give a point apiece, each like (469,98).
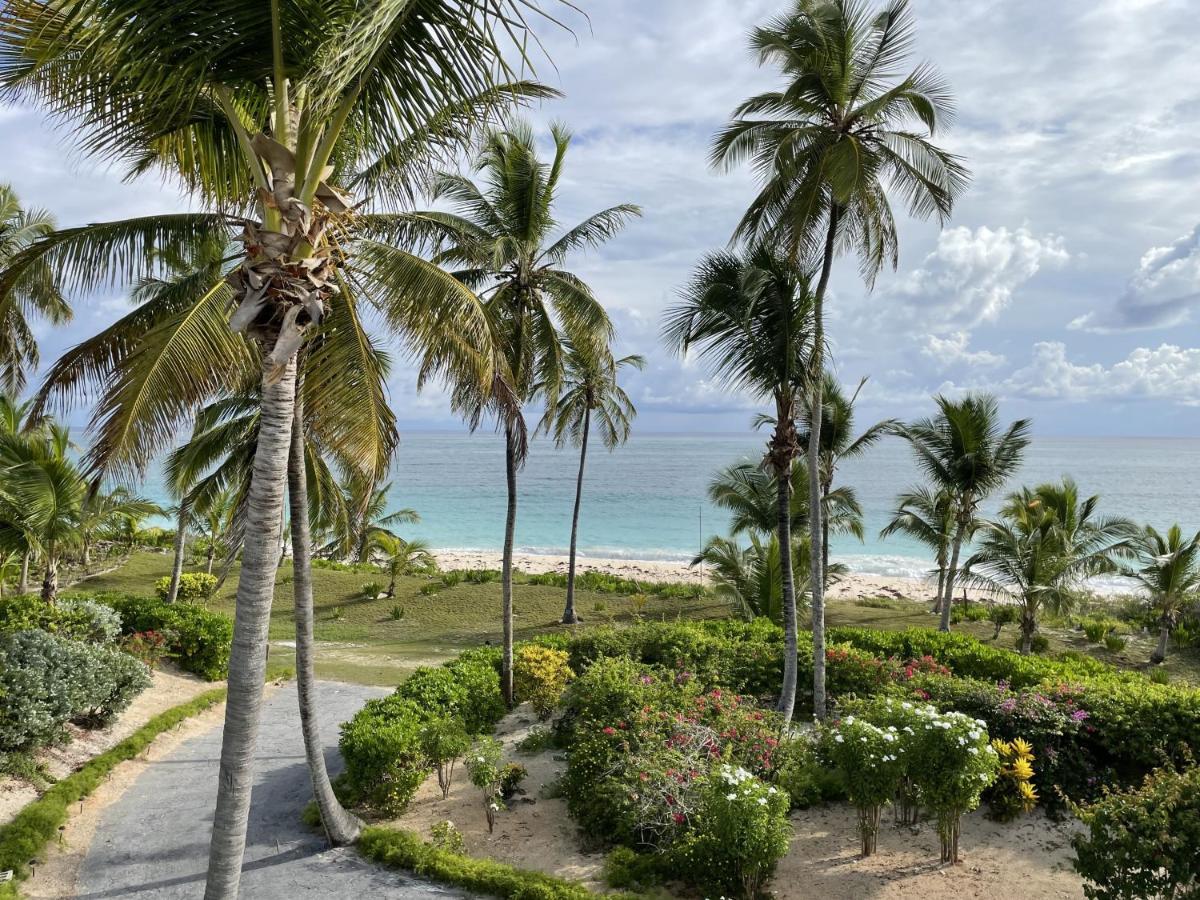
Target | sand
(850,587)
(1029,858)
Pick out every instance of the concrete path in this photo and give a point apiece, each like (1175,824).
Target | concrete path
(153,842)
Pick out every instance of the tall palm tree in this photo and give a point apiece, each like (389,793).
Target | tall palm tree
(500,240)
(16,423)
(258,109)
(215,518)
(839,442)
(927,515)
(965,451)
(846,128)
(35,294)
(751,317)
(1044,543)
(589,387)
(1168,568)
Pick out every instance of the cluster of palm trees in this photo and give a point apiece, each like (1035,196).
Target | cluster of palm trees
(49,512)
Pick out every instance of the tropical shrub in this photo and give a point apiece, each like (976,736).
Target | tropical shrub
(370,590)
(741,832)
(382,748)
(199,639)
(445,837)
(1141,843)
(873,762)
(148,647)
(804,776)
(194,587)
(1114,643)
(480,680)
(1013,792)
(484,767)
(443,741)
(1096,629)
(86,620)
(1001,615)
(47,681)
(541,675)
(974,613)
(511,776)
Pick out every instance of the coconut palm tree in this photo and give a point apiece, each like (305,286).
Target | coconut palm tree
(839,442)
(259,110)
(404,558)
(102,512)
(927,516)
(1045,542)
(500,240)
(35,294)
(1168,568)
(589,388)
(215,518)
(965,451)
(846,128)
(366,521)
(751,317)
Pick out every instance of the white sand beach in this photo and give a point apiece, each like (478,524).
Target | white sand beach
(851,586)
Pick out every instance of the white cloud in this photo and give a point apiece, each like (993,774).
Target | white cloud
(1167,372)
(1162,292)
(970,277)
(954,350)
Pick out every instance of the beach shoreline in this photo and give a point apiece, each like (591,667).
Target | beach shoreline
(849,587)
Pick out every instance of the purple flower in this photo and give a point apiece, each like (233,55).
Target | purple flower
(1008,705)
(1079,715)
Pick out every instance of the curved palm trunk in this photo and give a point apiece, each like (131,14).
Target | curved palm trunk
(50,579)
(787,696)
(570,617)
(941,588)
(180,546)
(947,599)
(340,827)
(23,585)
(248,658)
(212,552)
(1164,636)
(510,527)
(816,517)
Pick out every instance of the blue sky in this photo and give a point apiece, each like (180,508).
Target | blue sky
(1068,281)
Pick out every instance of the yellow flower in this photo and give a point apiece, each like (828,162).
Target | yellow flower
(1023,748)
(1022,770)
(1028,792)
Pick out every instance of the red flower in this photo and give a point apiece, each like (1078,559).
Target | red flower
(608,729)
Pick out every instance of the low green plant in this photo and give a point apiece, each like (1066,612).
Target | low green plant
(148,647)
(445,837)
(538,739)
(193,587)
(624,867)
(1002,614)
(1142,842)
(484,768)
(199,639)
(804,776)
(443,741)
(541,675)
(1096,629)
(430,590)
(382,748)
(1114,643)
(396,613)
(511,776)
(1159,676)
(451,579)
(370,590)
(976,612)
(1038,643)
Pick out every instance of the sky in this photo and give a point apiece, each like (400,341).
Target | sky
(1067,281)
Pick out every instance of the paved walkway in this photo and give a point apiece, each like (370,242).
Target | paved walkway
(153,842)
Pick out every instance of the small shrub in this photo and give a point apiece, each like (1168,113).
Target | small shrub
(541,675)
(1096,629)
(381,746)
(447,838)
(443,741)
(626,868)
(370,590)
(539,738)
(1039,643)
(193,587)
(1142,843)
(803,776)
(1114,642)
(396,613)
(872,759)
(1013,793)
(483,765)
(975,613)
(511,777)
(148,647)
(1001,615)
(429,590)
(1160,676)
(199,638)
(86,620)
(452,579)
(740,833)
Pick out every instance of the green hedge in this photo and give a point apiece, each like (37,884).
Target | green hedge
(405,850)
(199,639)
(36,825)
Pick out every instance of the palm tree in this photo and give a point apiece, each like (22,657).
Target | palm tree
(1044,543)
(1168,567)
(751,316)
(927,515)
(965,451)
(215,519)
(404,558)
(500,241)
(35,294)
(844,129)
(839,442)
(105,511)
(589,387)
(259,110)
(366,521)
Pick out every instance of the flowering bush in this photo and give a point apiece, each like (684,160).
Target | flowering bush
(803,775)
(446,837)
(149,647)
(741,832)
(484,768)
(541,675)
(873,759)
(1013,793)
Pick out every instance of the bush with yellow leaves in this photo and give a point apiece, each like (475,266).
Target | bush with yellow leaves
(1013,792)
(541,675)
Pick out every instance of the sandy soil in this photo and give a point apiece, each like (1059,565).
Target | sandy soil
(169,688)
(1027,859)
(852,586)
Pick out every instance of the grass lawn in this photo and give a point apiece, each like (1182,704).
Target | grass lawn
(378,641)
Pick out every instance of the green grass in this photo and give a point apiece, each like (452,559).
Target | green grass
(24,838)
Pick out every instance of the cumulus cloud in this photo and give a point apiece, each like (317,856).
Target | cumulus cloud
(1168,372)
(970,277)
(1163,291)
(954,350)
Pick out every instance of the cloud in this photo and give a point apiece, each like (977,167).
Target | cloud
(970,277)
(953,350)
(1162,292)
(1167,372)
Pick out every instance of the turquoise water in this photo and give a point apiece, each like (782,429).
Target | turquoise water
(646,500)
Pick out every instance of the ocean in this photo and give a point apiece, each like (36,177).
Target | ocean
(647,499)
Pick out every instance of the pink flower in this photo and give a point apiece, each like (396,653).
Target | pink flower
(608,729)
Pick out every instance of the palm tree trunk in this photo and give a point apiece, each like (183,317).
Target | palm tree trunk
(23,585)
(1164,636)
(248,658)
(1028,627)
(212,552)
(86,554)
(947,597)
(510,527)
(50,580)
(824,534)
(570,617)
(937,607)
(815,516)
(787,696)
(340,827)
(180,545)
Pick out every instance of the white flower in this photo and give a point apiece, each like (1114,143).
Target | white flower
(906,705)
(849,720)
(731,796)
(974,751)
(839,738)
(974,734)
(771,790)
(762,801)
